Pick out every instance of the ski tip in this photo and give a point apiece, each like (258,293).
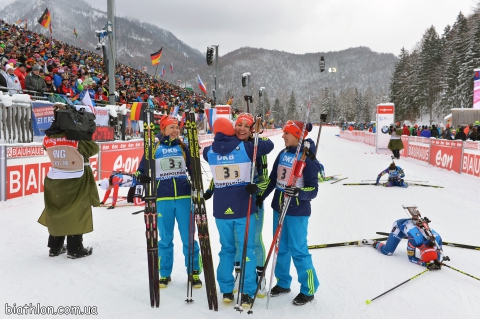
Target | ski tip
(368,302)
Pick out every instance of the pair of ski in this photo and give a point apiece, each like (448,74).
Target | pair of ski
(409,184)
(359,243)
(200,216)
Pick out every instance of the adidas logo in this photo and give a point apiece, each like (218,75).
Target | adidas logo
(229,211)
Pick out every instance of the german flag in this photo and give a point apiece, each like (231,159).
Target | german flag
(45,19)
(136,111)
(155,57)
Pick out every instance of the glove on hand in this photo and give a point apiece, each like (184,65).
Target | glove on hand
(102,203)
(144,179)
(259,201)
(111,207)
(436,265)
(251,188)
(311,155)
(207,195)
(292,191)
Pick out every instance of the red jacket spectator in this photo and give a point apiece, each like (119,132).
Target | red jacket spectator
(406,131)
(21,73)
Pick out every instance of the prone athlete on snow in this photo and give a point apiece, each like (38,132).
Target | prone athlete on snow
(420,236)
(395,176)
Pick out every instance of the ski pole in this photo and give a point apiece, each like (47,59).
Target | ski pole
(238,306)
(323,118)
(424,185)
(358,184)
(460,271)
(347,243)
(369,301)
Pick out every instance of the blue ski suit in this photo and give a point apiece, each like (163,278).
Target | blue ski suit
(230,162)
(172,161)
(293,240)
(406,228)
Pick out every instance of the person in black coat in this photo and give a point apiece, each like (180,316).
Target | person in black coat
(461,135)
(434,131)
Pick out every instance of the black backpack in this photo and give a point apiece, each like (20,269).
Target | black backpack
(79,125)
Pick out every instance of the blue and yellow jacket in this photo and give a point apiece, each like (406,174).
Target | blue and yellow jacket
(175,187)
(299,206)
(232,202)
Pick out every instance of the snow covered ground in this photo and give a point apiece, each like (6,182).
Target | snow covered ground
(114,279)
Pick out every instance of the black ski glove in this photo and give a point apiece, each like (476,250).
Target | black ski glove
(102,203)
(207,195)
(436,265)
(144,179)
(311,155)
(292,191)
(251,188)
(111,207)
(259,201)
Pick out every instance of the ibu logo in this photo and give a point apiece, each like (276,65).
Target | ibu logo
(444,160)
(225,157)
(169,151)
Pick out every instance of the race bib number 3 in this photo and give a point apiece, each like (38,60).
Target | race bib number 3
(227,172)
(171,163)
(283,173)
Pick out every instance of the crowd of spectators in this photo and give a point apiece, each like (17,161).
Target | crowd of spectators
(32,64)
(461,132)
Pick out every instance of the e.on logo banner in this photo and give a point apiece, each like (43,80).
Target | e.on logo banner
(446,154)
(120,157)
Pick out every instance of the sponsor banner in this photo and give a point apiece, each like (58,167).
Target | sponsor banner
(42,117)
(471,158)
(101,116)
(385,117)
(469,145)
(419,148)
(26,169)
(446,154)
(120,157)
(405,140)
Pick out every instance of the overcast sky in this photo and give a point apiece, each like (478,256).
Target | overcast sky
(296,26)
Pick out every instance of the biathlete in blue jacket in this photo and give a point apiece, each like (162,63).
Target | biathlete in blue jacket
(172,161)
(244,128)
(230,161)
(430,253)
(395,176)
(293,240)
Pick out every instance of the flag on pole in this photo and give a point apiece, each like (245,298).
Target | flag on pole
(268,114)
(155,57)
(163,71)
(171,68)
(88,102)
(201,86)
(75,33)
(45,19)
(136,111)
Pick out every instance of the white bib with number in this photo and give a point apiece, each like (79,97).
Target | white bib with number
(169,163)
(232,169)
(284,171)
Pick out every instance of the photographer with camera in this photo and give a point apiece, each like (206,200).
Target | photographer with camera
(395,144)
